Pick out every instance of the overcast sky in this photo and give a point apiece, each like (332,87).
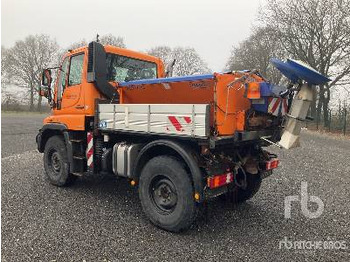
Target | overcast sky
(211,27)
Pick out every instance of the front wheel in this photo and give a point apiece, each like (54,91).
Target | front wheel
(166,194)
(56,162)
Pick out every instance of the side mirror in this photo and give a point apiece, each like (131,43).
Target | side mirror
(46,78)
(44,91)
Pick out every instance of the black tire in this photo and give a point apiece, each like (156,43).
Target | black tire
(166,194)
(56,162)
(239,195)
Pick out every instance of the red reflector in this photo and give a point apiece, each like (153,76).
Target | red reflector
(273,163)
(219,180)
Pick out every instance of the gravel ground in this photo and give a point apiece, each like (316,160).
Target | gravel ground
(18,131)
(100,218)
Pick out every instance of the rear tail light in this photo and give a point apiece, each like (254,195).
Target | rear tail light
(272,164)
(219,180)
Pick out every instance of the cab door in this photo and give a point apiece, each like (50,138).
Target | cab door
(73,84)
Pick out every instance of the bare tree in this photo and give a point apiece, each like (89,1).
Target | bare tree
(188,62)
(316,32)
(72,46)
(255,53)
(110,39)
(25,61)
(5,79)
(163,52)
(77,44)
(4,72)
(107,39)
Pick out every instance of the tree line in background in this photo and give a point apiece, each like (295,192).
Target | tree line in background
(22,64)
(314,31)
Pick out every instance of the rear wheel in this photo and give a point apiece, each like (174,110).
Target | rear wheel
(56,162)
(166,194)
(240,194)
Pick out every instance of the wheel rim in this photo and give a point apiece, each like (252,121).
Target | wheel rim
(55,162)
(163,194)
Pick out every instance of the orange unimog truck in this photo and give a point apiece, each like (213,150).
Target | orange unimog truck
(180,140)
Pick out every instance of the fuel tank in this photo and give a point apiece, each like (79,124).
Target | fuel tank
(224,92)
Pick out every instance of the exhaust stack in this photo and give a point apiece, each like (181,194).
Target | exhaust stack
(306,77)
(97,71)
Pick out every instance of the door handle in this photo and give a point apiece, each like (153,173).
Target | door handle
(79,107)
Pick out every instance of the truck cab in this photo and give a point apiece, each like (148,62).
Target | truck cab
(73,100)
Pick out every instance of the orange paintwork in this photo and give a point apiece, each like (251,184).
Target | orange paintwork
(226,93)
(231,103)
(78,101)
(200,92)
(73,122)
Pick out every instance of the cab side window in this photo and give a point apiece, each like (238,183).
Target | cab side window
(75,70)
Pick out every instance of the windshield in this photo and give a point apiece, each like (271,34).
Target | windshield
(124,69)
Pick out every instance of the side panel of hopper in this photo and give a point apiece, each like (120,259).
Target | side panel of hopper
(175,90)
(213,89)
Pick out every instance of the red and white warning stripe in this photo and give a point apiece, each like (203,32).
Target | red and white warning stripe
(277,106)
(284,108)
(178,123)
(90,149)
(274,105)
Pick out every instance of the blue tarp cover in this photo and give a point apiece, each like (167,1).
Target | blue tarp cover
(168,80)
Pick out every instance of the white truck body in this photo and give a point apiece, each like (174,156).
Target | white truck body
(189,120)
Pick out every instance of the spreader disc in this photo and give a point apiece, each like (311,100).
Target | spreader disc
(296,70)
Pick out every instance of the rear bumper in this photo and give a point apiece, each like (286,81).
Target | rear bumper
(273,135)
(219,181)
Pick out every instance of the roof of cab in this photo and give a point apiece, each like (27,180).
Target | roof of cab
(131,53)
(123,52)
